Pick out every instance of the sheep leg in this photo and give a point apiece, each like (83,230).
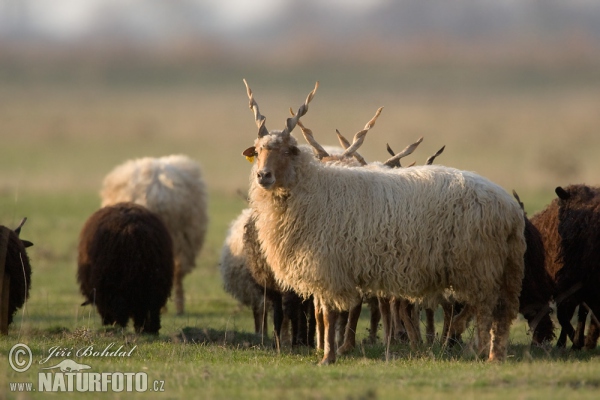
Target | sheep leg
(430,327)
(276,300)
(484,337)
(320,325)
(107,319)
(178,287)
(591,339)
(302,334)
(260,319)
(374,320)
(593,302)
(340,327)
(579,335)
(385,311)
(147,321)
(308,309)
(407,312)
(330,317)
(544,330)
(459,318)
(291,305)
(350,332)
(564,313)
(449,310)
(398,328)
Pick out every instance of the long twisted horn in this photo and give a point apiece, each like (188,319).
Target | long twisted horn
(291,123)
(18,229)
(432,158)
(394,162)
(345,144)
(260,119)
(359,137)
(319,151)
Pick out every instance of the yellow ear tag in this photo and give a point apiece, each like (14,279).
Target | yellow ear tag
(250,159)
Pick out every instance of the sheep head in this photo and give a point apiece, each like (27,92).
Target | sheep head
(274,149)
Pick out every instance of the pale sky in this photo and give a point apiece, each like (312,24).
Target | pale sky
(71,18)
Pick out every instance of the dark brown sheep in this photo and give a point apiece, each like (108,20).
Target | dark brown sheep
(538,286)
(17,268)
(125,265)
(547,222)
(578,227)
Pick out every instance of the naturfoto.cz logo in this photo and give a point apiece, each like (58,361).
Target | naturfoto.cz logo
(71,376)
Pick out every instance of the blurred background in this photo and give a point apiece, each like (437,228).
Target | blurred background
(512,88)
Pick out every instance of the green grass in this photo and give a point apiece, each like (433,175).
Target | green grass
(60,139)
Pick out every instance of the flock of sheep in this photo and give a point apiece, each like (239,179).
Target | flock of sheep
(325,231)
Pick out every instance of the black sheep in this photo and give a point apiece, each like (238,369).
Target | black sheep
(579,230)
(538,287)
(125,265)
(17,269)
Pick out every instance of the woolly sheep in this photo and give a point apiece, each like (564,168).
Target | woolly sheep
(578,222)
(547,222)
(237,279)
(173,188)
(329,231)
(125,265)
(17,268)
(284,302)
(538,287)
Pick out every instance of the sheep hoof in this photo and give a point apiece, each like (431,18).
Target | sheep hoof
(345,348)
(327,361)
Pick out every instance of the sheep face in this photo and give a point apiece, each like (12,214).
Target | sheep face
(276,148)
(275,153)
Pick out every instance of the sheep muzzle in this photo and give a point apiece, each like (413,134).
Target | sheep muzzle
(265,178)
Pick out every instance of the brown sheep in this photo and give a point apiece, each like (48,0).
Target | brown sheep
(125,265)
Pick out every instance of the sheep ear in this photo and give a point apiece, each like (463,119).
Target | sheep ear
(249,152)
(562,193)
(26,243)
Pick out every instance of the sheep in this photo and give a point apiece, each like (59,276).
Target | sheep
(125,265)
(578,221)
(348,157)
(404,315)
(173,188)
(390,310)
(237,279)
(547,222)
(333,232)
(17,269)
(538,287)
(287,303)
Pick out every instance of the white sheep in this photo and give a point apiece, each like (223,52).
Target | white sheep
(237,279)
(173,188)
(240,274)
(332,232)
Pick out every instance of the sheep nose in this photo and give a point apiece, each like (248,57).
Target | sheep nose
(264,175)
(265,178)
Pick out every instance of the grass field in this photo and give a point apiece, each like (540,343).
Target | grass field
(60,135)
